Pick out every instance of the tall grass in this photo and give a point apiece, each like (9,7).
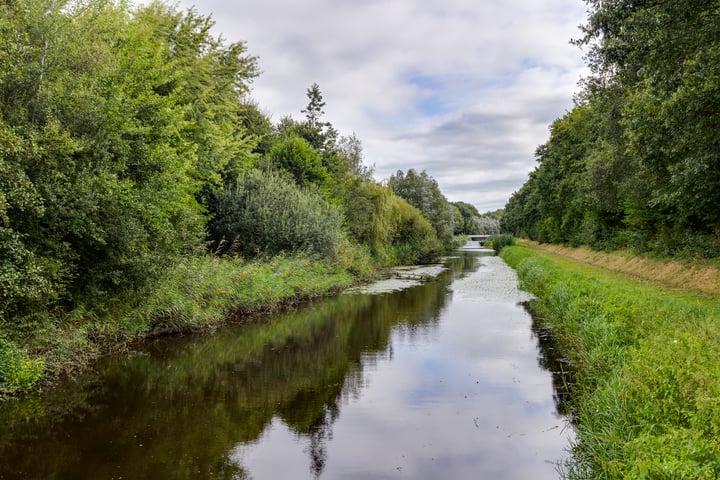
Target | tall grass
(197,293)
(646,403)
(498,242)
(204,291)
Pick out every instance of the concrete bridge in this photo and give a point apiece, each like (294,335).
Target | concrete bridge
(479,238)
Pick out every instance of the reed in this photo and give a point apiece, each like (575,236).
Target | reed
(498,242)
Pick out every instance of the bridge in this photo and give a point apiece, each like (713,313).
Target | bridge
(479,238)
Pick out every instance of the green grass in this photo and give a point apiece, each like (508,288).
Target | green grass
(197,293)
(208,290)
(646,361)
(498,242)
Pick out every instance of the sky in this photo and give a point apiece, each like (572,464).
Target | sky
(464,89)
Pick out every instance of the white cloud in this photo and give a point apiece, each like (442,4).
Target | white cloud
(465,89)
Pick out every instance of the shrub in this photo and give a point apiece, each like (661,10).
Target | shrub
(497,242)
(18,371)
(265,212)
(413,237)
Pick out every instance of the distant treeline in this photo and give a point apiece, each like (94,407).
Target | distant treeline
(636,163)
(129,144)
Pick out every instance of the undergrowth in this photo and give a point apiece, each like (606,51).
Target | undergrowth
(498,242)
(197,293)
(646,402)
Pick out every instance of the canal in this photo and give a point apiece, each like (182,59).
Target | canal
(409,379)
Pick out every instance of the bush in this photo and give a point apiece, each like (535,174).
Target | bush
(265,212)
(413,237)
(497,242)
(18,371)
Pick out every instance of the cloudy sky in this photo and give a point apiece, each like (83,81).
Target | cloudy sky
(464,89)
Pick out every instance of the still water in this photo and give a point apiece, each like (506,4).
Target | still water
(440,380)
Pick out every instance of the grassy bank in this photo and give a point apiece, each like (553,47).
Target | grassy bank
(646,397)
(197,293)
(700,275)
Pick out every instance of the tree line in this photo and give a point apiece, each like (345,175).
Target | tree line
(636,163)
(128,141)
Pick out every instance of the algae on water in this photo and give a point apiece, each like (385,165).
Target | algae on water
(400,278)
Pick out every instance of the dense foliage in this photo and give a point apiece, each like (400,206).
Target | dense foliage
(109,126)
(266,212)
(129,148)
(637,162)
(422,192)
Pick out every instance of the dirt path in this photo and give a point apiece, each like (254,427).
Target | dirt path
(684,275)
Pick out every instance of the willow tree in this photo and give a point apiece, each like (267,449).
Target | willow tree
(422,192)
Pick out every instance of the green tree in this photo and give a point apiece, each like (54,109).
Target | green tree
(553,205)
(314,109)
(465,223)
(114,119)
(350,156)
(257,127)
(296,156)
(422,192)
(656,67)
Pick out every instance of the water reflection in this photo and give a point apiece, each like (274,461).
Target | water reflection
(428,382)
(551,358)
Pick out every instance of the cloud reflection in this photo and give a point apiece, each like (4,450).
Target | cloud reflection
(471,403)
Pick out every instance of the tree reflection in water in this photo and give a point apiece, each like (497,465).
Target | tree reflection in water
(186,408)
(188,402)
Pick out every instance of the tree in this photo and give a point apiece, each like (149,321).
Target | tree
(257,126)
(314,109)
(350,154)
(321,135)
(422,192)
(636,163)
(486,225)
(113,120)
(467,215)
(296,156)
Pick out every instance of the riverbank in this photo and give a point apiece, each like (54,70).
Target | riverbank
(198,293)
(700,275)
(646,391)
(439,380)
